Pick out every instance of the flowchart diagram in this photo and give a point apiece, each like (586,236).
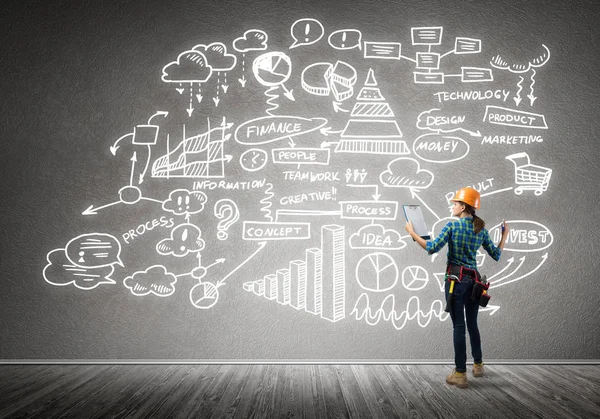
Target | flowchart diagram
(226,189)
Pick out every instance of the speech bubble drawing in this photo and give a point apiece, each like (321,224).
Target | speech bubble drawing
(60,272)
(94,250)
(345,39)
(306,32)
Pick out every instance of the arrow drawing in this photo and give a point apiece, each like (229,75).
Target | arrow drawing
(544,258)
(260,247)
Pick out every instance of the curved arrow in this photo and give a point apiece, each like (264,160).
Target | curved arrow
(544,258)
(115,147)
(510,262)
(159,113)
(513,272)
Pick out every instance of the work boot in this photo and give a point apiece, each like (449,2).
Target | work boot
(478,370)
(458,379)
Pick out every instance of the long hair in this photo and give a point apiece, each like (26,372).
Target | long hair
(478,223)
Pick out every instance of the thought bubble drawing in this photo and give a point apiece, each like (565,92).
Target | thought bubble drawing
(61,271)
(306,32)
(190,67)
(405,172)
(185,238)
(154,280)
(216,56)
(374,236)
(94,250)
(184,202)
(345,39)
(521,66)
(252,40)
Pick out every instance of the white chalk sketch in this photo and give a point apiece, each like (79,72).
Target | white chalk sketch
(268,129)
(438,148)
(529,177)
(272,70)
(86,261)
(376,272)
(204,295)
(345,39)
(316,284)
(383,50)
(252,40)
(228,213)
(438,121)
(398,318)
(185,238)
(323,79)
(514,118)
(414,278)
(406,172)
(501,63)
(254,159)
(376,236)
(372,128)
(184,202)
(197,156)
(311,187)
(61,271)
(306,32)
(155,280)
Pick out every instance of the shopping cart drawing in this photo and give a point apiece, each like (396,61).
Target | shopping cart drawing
(529,176)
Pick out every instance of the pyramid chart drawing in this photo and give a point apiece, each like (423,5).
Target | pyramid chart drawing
(372,128)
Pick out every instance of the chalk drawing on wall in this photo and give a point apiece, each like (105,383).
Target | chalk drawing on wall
(86,262)
(529,177)
(502,63)
(310,189)
(372,128)
(251,40)
(272,70)
(345,39)
(306,31)
(198,156)
(316,285)
(228,213)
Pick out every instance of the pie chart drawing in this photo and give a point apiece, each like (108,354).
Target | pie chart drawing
(414,278)
(272,69)
(377,272)
(204,295)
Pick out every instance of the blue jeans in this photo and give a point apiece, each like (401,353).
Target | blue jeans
(461,305)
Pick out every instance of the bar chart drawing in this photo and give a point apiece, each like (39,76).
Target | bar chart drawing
(316,284)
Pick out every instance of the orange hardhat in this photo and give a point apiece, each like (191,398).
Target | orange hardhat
(468,196)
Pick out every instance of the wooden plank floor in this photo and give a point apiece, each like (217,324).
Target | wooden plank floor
(309,391)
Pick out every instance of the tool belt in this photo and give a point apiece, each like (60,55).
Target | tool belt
(480,288)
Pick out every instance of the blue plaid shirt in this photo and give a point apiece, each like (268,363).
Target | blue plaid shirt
(463,243)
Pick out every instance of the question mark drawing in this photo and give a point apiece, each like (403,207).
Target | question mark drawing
(227,211)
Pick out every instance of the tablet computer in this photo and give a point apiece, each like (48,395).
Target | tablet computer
(414,214)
